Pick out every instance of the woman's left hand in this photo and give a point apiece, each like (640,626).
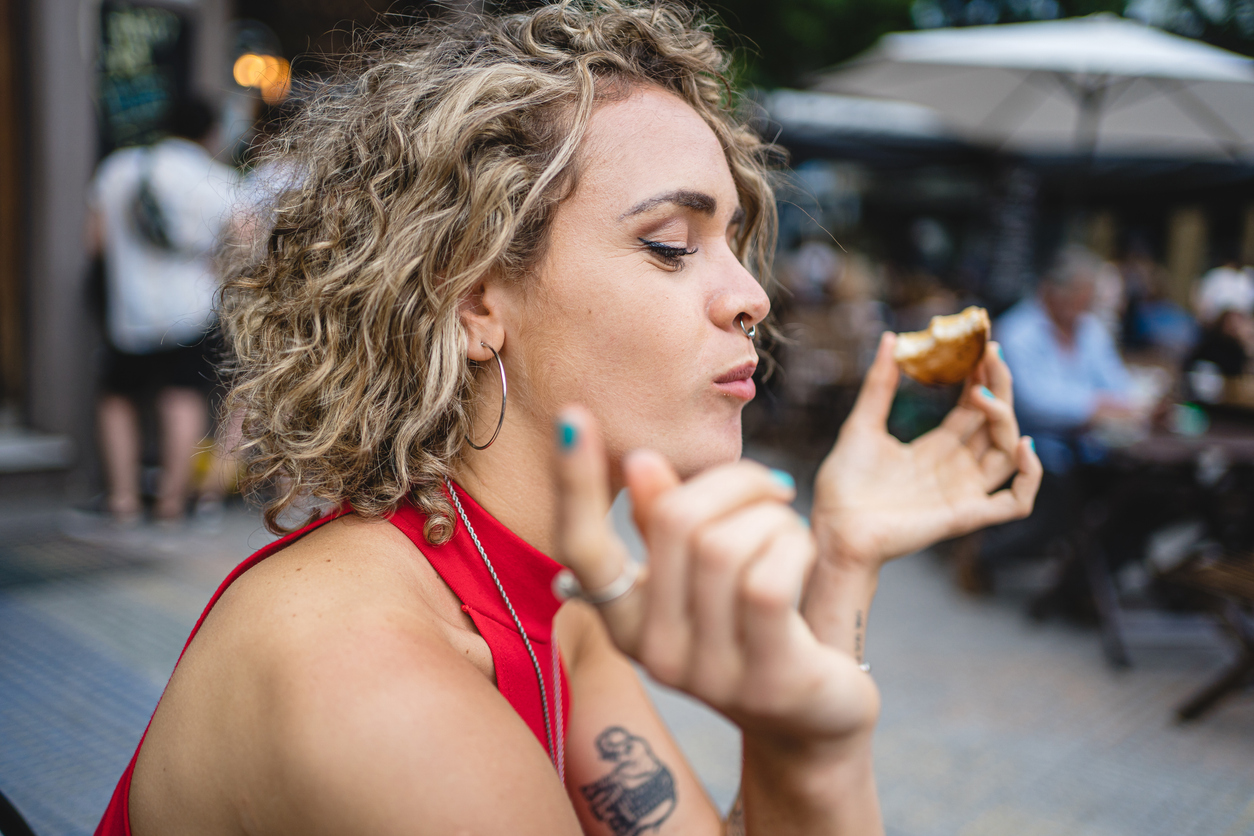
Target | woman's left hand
(876,498)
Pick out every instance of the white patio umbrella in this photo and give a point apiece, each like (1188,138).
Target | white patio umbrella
(1094,85)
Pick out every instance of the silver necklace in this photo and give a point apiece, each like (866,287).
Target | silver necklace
(557,750)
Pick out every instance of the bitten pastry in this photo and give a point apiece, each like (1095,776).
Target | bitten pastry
(948,350)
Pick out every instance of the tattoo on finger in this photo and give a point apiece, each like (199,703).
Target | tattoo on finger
(639,793)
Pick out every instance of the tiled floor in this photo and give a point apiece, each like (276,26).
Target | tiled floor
(992,726)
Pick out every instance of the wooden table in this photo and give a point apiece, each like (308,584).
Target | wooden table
(1204,460)
(1228,435)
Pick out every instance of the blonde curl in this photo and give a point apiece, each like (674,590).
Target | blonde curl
(435,158)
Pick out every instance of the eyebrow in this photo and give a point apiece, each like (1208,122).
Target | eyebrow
(700,201)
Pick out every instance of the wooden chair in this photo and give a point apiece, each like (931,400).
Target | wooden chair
(1230,582)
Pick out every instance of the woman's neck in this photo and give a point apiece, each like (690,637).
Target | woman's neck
(513,481)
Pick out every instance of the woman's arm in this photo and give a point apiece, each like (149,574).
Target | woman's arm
(715,616)
(608,699)
(876,498)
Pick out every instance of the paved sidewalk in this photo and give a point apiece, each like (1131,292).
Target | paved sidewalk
(991,727)
(995,726)
(90,628)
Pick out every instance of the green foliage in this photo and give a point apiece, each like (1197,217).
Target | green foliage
(779,43)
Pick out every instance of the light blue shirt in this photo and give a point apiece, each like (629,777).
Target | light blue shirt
(1057,388)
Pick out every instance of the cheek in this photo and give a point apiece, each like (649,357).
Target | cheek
(634,359)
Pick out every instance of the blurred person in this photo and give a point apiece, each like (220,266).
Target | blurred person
(1069,379)
(271,175)
(1226,287)
(564,199)
(1152,322)
(251,219)
(1226,344)
(1110,299)
(156,217)
(1140,275)
(813,271)
(1161,326)
(1068,373)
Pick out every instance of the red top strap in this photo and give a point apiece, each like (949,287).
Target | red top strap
(527,577)
(526,574)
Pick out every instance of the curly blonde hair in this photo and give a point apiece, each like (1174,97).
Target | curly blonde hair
(433,160)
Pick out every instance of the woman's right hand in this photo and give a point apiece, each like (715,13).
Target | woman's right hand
(714,613)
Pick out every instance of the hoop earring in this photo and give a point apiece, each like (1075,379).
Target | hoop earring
(504,391)
(751,331)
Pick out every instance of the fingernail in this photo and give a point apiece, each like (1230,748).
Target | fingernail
(1000,354)
(567,435)
(1031,443)
(784,479)
(986,392)
(805,521)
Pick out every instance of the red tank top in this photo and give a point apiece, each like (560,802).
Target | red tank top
(527,577)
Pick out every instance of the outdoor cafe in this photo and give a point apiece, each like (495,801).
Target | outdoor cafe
(1098,131)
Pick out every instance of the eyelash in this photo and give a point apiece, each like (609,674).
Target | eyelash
(673,256)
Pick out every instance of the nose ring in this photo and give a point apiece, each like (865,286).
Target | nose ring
(751,331)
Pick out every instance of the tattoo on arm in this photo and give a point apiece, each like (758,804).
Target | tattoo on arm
(736,819)
(639,793)
(857,636)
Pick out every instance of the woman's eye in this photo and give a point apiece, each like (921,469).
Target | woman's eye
(673,256)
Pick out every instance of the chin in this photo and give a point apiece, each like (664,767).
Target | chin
(711,449)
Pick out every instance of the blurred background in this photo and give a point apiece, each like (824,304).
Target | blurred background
(1084,169)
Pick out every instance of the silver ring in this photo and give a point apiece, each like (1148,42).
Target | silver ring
(751,331)
(566,586)
(865,667)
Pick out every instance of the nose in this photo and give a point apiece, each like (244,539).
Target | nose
(739,301)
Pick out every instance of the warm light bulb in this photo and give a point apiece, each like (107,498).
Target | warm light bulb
(276,81)
(268,73)
(249,68)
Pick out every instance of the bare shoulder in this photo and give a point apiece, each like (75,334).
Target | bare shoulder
(333,688)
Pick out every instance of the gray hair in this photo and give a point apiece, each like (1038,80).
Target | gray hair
(1071,263)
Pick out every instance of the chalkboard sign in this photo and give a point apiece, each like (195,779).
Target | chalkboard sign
(143,69)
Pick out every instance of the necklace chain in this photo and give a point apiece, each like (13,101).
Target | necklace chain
(556,751)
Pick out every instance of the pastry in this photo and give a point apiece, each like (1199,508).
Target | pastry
(948,350)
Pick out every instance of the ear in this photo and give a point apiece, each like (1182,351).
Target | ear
(483,314)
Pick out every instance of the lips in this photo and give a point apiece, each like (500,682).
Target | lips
(738,382)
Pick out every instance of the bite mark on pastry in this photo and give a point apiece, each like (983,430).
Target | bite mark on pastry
(948,351)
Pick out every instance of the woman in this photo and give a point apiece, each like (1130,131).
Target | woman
(556,205)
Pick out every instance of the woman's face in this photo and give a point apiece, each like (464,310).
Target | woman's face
(634,309)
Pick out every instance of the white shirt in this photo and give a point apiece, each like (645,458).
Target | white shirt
(158,299)
(1058,387)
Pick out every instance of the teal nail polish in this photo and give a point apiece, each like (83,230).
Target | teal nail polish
(1000,354)
(986,392)
(784,479)
(805,521)
(567,435)
(1032,443)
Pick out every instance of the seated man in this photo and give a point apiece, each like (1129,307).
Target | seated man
(1068,377)
(1068,374)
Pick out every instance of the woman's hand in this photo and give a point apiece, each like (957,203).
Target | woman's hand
(876,498)
(714,614)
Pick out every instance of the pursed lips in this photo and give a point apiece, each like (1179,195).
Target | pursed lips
(739,381)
